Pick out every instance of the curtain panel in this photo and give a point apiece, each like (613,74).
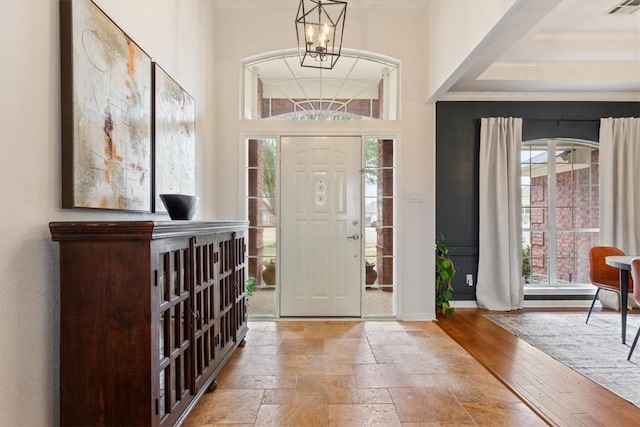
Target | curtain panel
(620,184)
(619,179)
(500,285)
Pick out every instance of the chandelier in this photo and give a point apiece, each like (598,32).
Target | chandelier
(319,28)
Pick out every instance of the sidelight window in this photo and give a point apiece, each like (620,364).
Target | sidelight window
(262,208)
(379,236)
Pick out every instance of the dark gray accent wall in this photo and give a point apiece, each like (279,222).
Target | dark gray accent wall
(457,164)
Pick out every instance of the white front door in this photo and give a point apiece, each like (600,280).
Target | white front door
(320,245)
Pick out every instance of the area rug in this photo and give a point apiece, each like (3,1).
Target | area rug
(595,349)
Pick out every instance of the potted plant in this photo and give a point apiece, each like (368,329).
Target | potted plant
(445,271)
(269,272)
(371,274)
(526,263)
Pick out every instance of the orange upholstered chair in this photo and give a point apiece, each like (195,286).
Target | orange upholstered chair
(602,275)
(635,274)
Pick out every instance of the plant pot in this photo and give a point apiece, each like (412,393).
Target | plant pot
(371,274)
(269,274)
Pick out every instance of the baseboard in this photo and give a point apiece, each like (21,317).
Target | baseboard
(463,304)
(559,303)
(533,304)
(417,317)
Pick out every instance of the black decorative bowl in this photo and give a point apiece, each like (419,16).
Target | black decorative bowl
(180,206)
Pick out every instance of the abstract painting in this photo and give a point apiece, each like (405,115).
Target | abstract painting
(174,126)
(106,113)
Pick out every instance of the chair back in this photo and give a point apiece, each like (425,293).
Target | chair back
(601,274)
(635,274)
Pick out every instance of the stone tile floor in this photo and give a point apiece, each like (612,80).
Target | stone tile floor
(356,373)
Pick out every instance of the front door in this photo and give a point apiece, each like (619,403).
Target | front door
(320,245)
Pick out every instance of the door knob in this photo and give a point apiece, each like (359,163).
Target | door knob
(354,236)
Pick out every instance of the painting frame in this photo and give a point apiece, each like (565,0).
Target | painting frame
(105,113)
(174,136)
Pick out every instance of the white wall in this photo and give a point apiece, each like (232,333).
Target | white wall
(242,32)
(179,36)
(455,28)
(183,37)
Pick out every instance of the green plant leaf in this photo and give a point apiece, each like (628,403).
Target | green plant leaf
(250,285)
(445,271)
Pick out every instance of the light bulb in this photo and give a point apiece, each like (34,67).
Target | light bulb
(310,34)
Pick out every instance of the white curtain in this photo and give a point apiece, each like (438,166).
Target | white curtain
(500,284)
(619,190)
(620,184)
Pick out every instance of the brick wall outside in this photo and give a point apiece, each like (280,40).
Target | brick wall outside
(384,241)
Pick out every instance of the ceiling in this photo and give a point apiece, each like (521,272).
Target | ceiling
(577,47)
(544,49)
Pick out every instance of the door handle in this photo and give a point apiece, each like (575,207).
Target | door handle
(354,236)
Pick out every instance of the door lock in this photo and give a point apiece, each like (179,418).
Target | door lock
(354,236)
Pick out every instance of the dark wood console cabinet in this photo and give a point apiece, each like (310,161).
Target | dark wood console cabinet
(149,313)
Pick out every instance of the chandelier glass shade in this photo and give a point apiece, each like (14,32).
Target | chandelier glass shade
(319,28)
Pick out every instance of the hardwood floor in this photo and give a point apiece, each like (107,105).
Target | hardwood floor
(560,395)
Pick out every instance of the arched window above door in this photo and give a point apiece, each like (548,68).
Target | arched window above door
(361,86)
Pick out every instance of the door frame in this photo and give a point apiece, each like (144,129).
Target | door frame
(395,135)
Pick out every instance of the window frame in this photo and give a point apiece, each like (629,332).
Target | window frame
(552,228)
(248,111)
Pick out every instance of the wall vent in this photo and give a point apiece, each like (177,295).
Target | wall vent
(627,7)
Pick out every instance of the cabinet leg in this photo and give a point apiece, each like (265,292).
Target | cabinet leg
(242,343)
(212,387)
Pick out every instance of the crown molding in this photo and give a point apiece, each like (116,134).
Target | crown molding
(541,96)
(587,36)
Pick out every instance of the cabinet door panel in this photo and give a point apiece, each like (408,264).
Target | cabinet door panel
(227,290)
(174,319)
(232,289)
(204,330)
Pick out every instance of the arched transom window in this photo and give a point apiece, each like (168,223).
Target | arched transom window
(360,86)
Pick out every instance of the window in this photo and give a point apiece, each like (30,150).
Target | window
(560,212)
(379,199)
(262,208)
(359,87)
